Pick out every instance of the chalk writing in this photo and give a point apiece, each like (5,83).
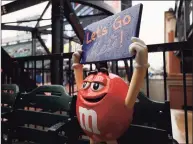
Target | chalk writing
(109,39)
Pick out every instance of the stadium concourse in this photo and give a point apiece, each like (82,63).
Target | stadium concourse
(39,94)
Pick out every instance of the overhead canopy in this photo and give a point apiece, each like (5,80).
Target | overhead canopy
(19,17)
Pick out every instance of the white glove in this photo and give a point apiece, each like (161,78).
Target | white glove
(76,59)
(139,48)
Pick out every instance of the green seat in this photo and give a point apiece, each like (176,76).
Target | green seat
(152,114)
(9,93)
(36,125)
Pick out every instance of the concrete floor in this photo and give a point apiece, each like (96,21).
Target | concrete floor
(178,125)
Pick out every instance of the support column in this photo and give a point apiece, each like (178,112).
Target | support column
(57,39)
(70,45)
(34,37)
(125,4)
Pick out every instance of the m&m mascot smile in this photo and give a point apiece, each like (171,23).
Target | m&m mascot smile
(105,101)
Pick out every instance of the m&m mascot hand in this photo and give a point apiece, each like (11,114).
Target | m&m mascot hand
(105,102)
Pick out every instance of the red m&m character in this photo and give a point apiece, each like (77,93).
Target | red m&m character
(105,102)
(101,109)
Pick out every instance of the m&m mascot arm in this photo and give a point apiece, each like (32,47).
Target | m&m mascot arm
(78,68)
(139,48)
(78,72)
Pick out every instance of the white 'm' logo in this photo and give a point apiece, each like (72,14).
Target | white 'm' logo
(85,125)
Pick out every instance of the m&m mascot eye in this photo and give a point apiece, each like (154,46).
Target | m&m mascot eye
(105,101)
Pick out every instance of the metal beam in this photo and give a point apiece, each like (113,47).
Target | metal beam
(24,28)
(24,21)
(100,5)
(174,46)
(57,41)
(57,26)
(50,32)
(190,39)
(125,4)
(175,8)
(189,31)
(75,39)
(44,11)
(18,5)
(21,4)
(81,18)
(88,20)
(43,44)
(18,28)
(179,9)
(34,36)
(45,31)
(73,20)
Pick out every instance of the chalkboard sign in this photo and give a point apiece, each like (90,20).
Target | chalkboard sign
(109,39)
